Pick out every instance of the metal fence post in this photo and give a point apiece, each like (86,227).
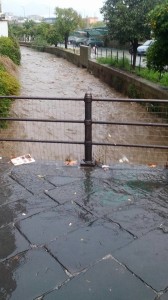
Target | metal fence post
(88,131)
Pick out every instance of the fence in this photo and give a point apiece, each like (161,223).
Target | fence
(105,130)
(122,55)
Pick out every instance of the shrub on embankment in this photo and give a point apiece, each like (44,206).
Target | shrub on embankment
(9,85)
(9,47)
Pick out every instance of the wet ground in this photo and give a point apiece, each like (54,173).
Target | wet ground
(73,232)
(83,233)
(45,75)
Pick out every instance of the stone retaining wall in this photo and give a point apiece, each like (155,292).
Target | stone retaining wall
(127,83)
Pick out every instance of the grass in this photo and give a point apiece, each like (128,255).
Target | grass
(153,76)
(121,63)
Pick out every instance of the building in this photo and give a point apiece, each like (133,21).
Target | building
(90,20)
(3,23)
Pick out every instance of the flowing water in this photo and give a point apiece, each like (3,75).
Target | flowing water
(45,75)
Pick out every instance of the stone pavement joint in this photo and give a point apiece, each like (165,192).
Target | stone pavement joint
(83,233)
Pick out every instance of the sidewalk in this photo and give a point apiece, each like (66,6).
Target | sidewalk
(83,233)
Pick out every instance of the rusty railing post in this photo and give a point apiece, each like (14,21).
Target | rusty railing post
(88,131)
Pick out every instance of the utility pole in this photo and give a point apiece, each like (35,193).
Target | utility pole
(0,8)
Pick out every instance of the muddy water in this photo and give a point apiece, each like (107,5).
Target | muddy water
(44,75)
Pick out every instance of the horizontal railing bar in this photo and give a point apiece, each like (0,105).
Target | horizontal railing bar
(40,98)
(82,99)
(40,141)
(130,145)
(131,123)
(81,122)
(132,100)
(41,120)
(83,143)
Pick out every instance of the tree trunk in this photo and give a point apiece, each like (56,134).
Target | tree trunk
(66,42)
(134,43)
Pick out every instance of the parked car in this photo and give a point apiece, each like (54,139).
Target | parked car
(80,41)
(72,39)
(93,41)
(142,50)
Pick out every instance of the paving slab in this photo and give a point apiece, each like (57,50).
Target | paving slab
(49,225)
(21,209)
(78,191)
(12,191)
(147,257)
(33,183)
(29,274)
(137,220)
(61,180)
(80,248)
(164,296)
(11,242)
(105,281)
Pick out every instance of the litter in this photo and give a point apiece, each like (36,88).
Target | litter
(123,159)
(24,159)
(105,167)
(70,162)
(152,165)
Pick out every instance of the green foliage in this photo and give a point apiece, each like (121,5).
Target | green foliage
(158,18)
(121,63)
(67,20)
(157,57)
(39,43)
(8,86)
(16,30)
(10,48)
(154,76)
(53,36)
(127,20)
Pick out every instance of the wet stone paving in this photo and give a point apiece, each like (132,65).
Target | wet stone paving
(71,232)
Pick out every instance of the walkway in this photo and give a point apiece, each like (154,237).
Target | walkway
(68,232)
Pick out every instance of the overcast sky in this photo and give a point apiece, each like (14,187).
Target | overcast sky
(90,8)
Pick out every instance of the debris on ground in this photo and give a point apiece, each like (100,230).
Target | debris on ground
(105,167)
(70,162)
(24,159)
(152,165)
(123,159)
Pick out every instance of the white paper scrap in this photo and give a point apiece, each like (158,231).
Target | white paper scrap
(24,159)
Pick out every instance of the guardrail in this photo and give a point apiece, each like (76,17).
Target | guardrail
(153,115)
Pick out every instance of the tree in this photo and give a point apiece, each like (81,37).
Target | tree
(67,20)
(157,57)
(127,20)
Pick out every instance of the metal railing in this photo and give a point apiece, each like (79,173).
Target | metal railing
(118,54)
(153,113)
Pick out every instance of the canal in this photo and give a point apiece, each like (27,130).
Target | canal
(45,75)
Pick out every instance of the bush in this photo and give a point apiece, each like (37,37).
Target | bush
(39,43)
(10,48)
(9,85)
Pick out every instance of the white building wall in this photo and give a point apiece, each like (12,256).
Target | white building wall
(3,28)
